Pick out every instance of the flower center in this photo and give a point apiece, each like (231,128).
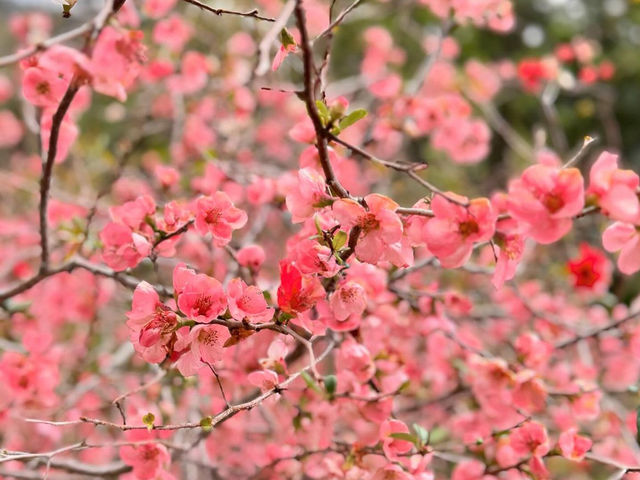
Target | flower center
(469,227)
(369,222)
(43,88)
(202,304)
(553,202)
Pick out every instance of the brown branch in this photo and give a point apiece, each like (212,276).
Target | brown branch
(310,102)
(337,21)
(221,11)
(597,331)
(47,169)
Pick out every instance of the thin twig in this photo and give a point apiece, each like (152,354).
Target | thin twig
(221,11)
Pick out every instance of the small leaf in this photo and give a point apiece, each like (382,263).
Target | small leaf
(310,382)
(148,420)
(323,111)
(407,437)
(339,240)
(352,118)
(316,221)
(422,434)
(286,38)
(330,384)
(206,424)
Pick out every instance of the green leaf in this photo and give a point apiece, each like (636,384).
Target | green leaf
(352,118)
(286,38)
(323,111)
(339,240)
(407,437)
(310,382)
(206,424)
(330,384)
(316,221)
(422,434)
(148,420)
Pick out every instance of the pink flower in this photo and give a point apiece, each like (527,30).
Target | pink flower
(391,446)
(379,226)
(43,88)
(247,302)
(348,299)
(204,343)
(265,380)
(354,358)
(573,446)
(11,130)
(216,214)
(530,439)
(468,470)
(392,472)
(465,141)
(251,256)
(200,297)
(116,61)
(147,460)
(66,137)
(511,248)
(152,324)
(545,199)
(297,293)
(614,190)
(450,235)
(308,194)
(122,248)
(158,8)
(623,237)
(133,214)
(172,32)
(311,257)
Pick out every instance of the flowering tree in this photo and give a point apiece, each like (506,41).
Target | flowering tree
(219,260)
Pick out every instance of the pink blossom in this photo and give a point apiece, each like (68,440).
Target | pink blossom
(116,61)
(43,88)
(308,194)
(265,380)
(200,297)
(172,32)
(530,439)
(545,199)
(451,234)
(152,324)
(122,248)
(391,446)
(204,343)
(247,302)
(379,226)
(11,130)
(573,446)
(158,8)
(468,470)
(623,237)
(134,214)
(614,190)
(348,299)
(251,256)
(147,459)
(216,214)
